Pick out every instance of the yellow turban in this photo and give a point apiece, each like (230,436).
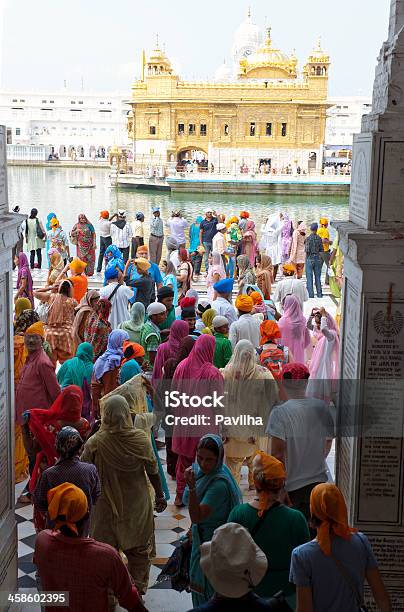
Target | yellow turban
(67,502)
(233,219)
(77,266)
(54,222)
(21,305)
(323,221)
(328,505)
(244,303)
(37,329)
(142,264)
(288,267)
(269,475)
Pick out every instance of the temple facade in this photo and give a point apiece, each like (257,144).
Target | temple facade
(259,112)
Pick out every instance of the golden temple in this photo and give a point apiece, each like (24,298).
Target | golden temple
(257,113)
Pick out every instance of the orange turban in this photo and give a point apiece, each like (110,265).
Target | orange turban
(131,350)
(77,266)
(244,303)
(256,297)
(104,214)
(37,329)
(67,502)
(54,222)
(142,249)
(327,504)
(269,475)
(269,331)
(244,214)
(289,267)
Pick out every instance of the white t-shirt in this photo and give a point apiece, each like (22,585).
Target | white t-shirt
(177,227)
(246,328)
(291,286)
(104,228)
(224,309)
(219,243)
(119,311)
(304,424)
(137,228)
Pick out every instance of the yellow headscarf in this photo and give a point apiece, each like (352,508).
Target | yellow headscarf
(323,221)
(207,319)
(142,264)
(231,220)
(54,222)
(37,329)
(21,305)
(77,266)
(244,303)
(67,502)
(327,504)
(269,475)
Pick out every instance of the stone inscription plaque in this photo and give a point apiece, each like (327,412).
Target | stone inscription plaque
(389,206)
(360,184)
(3,171)
(381,448)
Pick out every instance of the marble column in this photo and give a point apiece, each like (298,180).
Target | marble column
(370,451)
(9,223)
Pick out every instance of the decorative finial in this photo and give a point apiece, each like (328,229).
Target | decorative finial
(157,41)
(249,12)
(269,36)
(319,43)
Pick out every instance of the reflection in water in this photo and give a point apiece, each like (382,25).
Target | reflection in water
(48,190)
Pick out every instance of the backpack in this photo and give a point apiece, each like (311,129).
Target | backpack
(274,358)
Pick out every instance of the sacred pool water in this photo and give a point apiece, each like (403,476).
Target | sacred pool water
(47,189)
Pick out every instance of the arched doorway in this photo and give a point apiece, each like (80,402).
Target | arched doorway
(312,165)
(190,159)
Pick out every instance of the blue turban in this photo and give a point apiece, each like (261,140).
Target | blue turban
(111,273)
(224,286)
(314,227)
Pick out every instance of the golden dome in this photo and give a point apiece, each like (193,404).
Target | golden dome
(158,62)
(268,62)
(318,55)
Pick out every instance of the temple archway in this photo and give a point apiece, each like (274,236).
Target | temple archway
(192,159)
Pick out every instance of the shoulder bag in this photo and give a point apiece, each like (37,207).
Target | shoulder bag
(359,599)
(111,297)
(39,232)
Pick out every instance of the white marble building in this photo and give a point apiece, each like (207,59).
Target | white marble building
(70,124)
(343,121)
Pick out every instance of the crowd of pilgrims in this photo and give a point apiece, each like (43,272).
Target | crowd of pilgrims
(89,366)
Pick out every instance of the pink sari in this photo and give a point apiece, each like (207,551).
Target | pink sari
(292,325)
(216,267)
(196,376)
(249,242)
(324,365)
(169,349)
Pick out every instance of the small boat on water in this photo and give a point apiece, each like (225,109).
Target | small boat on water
(80,186)
(89,185)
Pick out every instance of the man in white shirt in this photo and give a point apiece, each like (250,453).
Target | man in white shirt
(119,296)
(222,302)
(104,232)
(289,285)
(219,242)
(271,241)
(301,431)
(246,327)
(177,226)
(121,234)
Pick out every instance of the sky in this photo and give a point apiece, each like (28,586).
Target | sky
(99,42)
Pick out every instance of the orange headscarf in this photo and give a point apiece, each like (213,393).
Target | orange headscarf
(77,266)
(244,214)
(269,331)
(104,214)
(67,502)
(269,475)
(327,504)
(256,297)
(244,303)
(37,329)
(134,350)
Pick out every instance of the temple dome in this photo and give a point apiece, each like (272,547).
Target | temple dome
(223,74)
(247,37)
(158,62)
(268,62)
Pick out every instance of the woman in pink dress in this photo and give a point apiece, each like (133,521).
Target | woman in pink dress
(216,272)
(294,332)
(169,350)
(297,252)
(324,365)
(83,236)
(249,242)
(196,376)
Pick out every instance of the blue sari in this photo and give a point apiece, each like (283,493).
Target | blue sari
(219,491)
(169,279)
(51,216)
(130,369)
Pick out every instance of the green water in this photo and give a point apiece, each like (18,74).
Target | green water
(47,189)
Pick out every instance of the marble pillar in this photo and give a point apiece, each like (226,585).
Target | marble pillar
(9,223)
(370,450)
